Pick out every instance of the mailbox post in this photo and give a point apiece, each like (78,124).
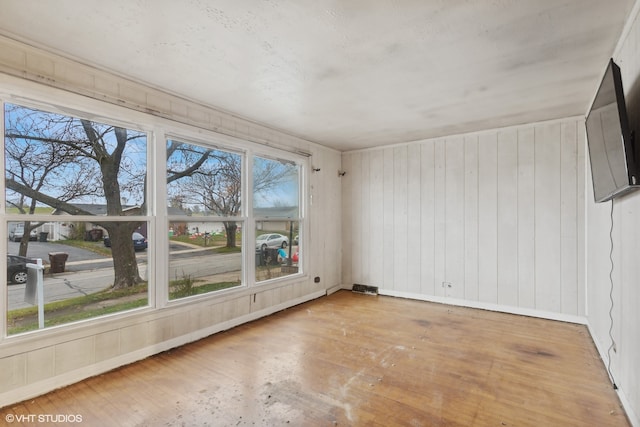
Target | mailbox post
(34,289)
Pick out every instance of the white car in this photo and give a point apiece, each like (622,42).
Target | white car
(16,234)
(273,240)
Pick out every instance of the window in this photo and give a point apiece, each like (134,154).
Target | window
(204,195)
(276,209)
(75,188)
(77,202)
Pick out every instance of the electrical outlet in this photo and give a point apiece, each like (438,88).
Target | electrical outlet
(447,289)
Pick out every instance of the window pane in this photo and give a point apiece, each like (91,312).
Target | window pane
(66,164)
(275,188)
(201,259)
(203,181)
(277,253)
(204,256)
(83,261)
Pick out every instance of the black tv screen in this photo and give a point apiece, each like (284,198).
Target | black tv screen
(610,140)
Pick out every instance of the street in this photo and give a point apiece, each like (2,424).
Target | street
(92,275)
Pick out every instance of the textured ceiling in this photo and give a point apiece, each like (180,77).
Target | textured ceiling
(347,74)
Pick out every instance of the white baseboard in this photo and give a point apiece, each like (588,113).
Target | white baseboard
(335,289)
(487,306)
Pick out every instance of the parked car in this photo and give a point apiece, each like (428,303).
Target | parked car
(139,241)
(17,268)
(273,240)
(16,234)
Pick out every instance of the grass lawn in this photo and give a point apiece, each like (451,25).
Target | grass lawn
(101,303)
(114,301)
(205,241)
(78,308)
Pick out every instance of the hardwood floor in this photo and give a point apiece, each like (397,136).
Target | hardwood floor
(351,359)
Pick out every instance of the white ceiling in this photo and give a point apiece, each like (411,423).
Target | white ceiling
(347,74)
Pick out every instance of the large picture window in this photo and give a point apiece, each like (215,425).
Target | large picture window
(81,204)
(75,188)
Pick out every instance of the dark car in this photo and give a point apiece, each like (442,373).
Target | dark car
(17,268)
(139,241)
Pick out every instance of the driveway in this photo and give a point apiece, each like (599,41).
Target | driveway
(43,249)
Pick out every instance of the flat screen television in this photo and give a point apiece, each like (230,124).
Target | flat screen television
(614,161)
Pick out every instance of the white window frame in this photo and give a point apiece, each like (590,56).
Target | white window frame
(158,130)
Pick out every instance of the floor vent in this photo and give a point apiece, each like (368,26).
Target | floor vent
(364,289)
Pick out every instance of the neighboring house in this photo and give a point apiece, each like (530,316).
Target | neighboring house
(276,219)
(65,228)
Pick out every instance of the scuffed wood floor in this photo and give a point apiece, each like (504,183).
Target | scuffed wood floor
(352,360)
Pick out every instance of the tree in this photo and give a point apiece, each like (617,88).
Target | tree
(212,179)
(217,183)
(99,161)
(34,166)
(62,161)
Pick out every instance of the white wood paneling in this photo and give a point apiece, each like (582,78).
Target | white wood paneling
(427,218)
(325,202)
(526,219)
(454,217)
(400,217)
(471,230)
(568,214)
(507,218)
(347,219)
(440,217)
(376,250)
(495,214)
(488,218)
(367,237)
(547,217)
(388,212)
(581,171)
(414,204)
(357,226)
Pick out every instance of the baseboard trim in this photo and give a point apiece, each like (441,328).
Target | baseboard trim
(334,289)
(487,306)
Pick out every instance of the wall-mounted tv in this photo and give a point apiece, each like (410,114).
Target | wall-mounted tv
(614,161)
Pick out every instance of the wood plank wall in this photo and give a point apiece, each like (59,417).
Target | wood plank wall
(495,217)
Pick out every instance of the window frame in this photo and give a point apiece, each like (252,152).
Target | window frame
(157,130)
(83,112)
(214,143)
(302,163)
